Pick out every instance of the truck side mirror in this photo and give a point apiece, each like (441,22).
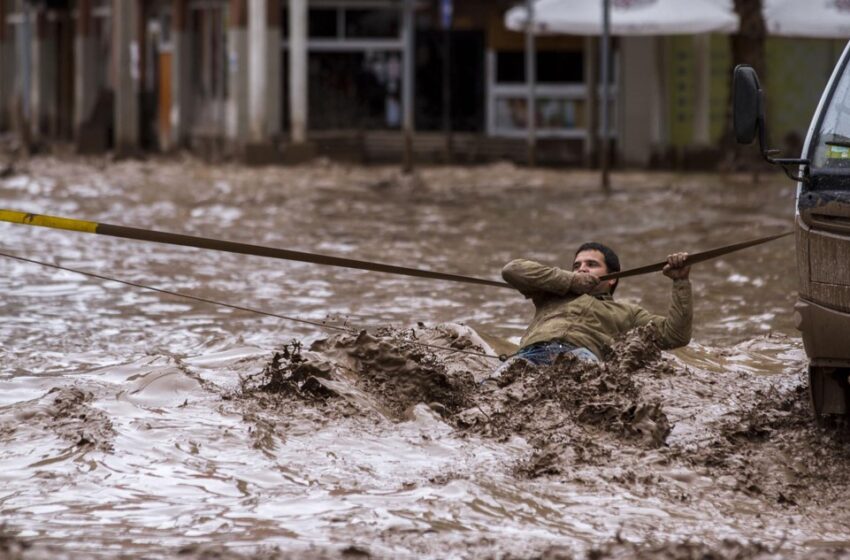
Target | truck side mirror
(748,120)
(747,110)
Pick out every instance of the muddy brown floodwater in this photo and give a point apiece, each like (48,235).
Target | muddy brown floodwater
(135,424)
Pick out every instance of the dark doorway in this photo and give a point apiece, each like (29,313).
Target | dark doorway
(355,90)
(467,80)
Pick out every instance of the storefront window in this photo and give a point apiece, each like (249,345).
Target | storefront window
(510,67)
(354,65)
(552,67)
(361,90)
(552,114)
(322,23)
(372,23)
(560,94)
(344,22)
(209,66)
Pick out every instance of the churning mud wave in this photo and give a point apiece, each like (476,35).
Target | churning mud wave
(632,419)
(649,454)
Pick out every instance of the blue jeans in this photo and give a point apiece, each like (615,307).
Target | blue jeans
(544,354)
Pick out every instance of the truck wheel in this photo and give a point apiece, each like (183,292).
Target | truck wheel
(829,390)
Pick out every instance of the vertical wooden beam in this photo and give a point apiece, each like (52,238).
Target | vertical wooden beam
(408,37)
(605,55)
(6,77)
(591,102)
(126,49)
(257,70)
(141,38)
(85,54)
(531,84)
(65,75)
(40,92)
(298,92)
(181,75)
(237,74)
(23,108)
(446,13)
(274,84)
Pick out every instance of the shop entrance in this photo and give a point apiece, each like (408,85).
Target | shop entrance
(466,80)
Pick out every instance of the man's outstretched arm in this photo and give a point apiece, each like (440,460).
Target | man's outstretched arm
(674,329)
(534,279)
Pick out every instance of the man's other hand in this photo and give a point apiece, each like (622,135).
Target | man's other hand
(675,267)
(583,283)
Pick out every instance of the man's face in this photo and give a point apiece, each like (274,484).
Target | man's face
(593,262)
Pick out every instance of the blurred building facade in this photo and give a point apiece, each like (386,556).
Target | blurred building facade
(224,77)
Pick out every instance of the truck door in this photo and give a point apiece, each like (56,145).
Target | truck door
(823,247)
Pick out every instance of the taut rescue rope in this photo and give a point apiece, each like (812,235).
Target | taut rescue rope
(321,325)
(230,246)
(328,260)
(696,257)
(286,254)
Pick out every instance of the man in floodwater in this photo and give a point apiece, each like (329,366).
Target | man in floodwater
(575,312)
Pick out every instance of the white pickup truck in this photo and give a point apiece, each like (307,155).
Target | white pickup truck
(822,228)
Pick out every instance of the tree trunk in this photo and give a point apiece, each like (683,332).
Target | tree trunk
(748,47)
(748,43)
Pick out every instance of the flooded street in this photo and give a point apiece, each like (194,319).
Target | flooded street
(138,424)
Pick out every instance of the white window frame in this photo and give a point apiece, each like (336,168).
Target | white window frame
(566,90)
(340,43)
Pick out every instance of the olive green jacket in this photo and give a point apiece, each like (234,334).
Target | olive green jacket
(591,321)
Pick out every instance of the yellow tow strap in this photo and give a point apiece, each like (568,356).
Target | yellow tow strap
(47,221)
(327,260)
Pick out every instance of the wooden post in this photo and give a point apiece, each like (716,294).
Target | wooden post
(181,76)
(606,95)
(530,80)
(65,73)
(408,37)
(127,76)
(42,100)
(85,92)
(23,108)
(298,108)
(237,74)
(7,79)
(257,70)
(447,92)
(591,114)
(273,70)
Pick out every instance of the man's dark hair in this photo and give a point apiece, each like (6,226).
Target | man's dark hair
(612,261)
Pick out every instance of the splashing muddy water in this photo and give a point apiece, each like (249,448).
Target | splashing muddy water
(136,424)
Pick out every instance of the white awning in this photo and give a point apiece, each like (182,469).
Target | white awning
(628,17)
(827,19)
